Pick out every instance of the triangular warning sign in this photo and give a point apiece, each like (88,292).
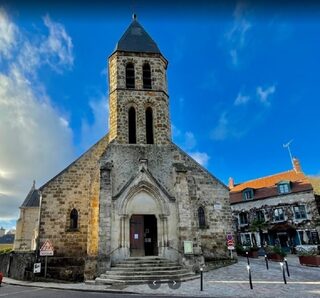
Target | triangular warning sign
(46,249)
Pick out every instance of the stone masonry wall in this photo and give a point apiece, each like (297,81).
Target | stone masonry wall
(192,187)
(121,99)
(75,187)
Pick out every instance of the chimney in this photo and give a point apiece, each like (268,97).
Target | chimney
(231,183)
(296,165)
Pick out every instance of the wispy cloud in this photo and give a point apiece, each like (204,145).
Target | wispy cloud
(8,31)
(238,119)
(36,139)
(236,36)
(241,99)
(188,142)
(201,157)
(265,93)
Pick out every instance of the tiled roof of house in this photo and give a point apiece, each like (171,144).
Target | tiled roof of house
(266,187)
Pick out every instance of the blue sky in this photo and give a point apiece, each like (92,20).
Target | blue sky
(243,80)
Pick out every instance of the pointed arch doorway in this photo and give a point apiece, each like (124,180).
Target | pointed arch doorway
(143,235)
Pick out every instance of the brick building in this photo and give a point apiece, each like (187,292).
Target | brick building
(135,193)
(276,209)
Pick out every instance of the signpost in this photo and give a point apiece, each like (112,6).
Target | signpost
(230,243)
(45,251)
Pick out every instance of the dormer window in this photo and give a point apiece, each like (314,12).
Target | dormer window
(284,187)
(247,194)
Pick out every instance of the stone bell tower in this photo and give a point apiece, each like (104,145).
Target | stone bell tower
(138,95)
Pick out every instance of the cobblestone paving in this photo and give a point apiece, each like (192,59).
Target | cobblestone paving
(232,281)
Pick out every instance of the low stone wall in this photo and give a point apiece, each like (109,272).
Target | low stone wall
(20,266)
(17,265)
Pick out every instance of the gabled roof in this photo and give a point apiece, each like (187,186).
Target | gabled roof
(136,39)
(265,187)
(33,198)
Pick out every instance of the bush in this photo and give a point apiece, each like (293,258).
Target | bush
(278,250)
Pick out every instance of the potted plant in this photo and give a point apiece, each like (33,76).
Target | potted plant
(308,255)
(275,253)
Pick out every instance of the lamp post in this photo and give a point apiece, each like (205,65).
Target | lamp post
(287,267)
(247,258)
(283,273)
(266,259)
(201,279)
(250,279)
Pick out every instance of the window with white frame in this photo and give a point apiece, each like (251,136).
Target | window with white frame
(247,194)
(300,212)
(243,218)
(278,214)
(284,187)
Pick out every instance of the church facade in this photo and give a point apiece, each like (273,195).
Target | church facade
(135,193)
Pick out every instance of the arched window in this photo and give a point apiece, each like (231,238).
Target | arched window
(132,126)
(202,218)
(130,75)
(146,76)
(149,125)
(74,219)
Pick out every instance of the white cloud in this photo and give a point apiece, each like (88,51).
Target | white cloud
(92,132)
(221,131)
(201,157)
(237,35)
(264,94)
(8,33)
(58,46)
(241,99)
(36,140)
(190,141)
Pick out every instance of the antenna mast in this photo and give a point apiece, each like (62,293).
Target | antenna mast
(288,146)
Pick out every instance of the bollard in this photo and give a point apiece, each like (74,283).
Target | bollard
(283,273)
(201,279)
(250,278)
(247,258)
(287,267)
(266,259)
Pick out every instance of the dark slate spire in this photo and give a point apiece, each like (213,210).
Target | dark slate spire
(33,197)
(136,39)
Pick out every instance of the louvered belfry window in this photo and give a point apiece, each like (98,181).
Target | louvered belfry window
(130,76)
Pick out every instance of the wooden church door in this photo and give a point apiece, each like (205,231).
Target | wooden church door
(137,236)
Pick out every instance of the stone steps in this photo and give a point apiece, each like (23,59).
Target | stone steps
(144,273)
(135,270)
(105,281)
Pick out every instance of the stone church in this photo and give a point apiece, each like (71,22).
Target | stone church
(134,193)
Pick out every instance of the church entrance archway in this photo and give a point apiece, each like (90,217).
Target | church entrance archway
(143,235)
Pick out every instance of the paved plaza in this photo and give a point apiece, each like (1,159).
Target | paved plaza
(230,281)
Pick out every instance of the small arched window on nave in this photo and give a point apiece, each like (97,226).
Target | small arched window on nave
(132,126)
(73,219)
(146,76)
(130,80)
(201,217)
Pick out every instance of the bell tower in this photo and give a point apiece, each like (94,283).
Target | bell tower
(138,94)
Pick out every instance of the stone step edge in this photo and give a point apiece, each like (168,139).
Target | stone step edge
(135,269)
(146,273)
(98,281)
(146,277)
